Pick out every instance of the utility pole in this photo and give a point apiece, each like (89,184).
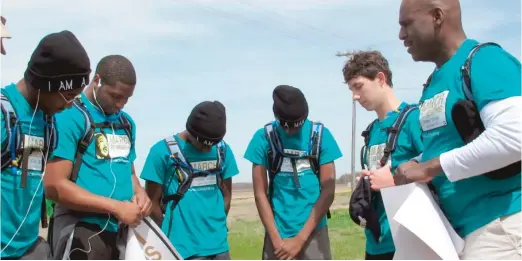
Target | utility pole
(354,115)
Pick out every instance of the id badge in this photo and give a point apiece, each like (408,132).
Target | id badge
(35,161)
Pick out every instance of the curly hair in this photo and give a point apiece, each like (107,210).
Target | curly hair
(116,68)
(367,64)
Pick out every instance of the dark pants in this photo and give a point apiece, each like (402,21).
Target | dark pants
(39,251)
(85,246)
(387,256)
(317,247)
(221,256)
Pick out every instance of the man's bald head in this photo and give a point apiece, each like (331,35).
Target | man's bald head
(426,25)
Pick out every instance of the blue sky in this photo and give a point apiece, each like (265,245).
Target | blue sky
(237,51)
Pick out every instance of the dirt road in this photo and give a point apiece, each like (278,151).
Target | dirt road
(244,207)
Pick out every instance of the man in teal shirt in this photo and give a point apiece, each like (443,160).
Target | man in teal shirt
(300,163)
(91,175)
(369,77)
(189,179)
(485,211)
(56,73)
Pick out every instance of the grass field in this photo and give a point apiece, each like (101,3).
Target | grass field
(246,231)
(346,239)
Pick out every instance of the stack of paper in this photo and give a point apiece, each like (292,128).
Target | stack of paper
(419,228)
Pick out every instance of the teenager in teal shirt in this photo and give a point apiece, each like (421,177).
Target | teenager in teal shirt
(369,77)
(199,165)
(57,71)
(295,207)
(97,189)
(484,211)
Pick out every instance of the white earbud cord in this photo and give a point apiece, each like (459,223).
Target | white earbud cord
(113,188)
(43,172)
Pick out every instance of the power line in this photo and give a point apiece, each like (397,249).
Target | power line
(243,19)
(287,18)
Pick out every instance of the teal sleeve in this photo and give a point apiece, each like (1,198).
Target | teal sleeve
(256,151)
(329,149)
(230,169)
(495,75)
(132,153)
(70,126)
(415,131)
(155,167)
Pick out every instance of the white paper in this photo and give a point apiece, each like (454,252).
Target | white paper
(419,228)
(148,242)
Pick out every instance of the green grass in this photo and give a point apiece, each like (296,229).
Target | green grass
(346,239)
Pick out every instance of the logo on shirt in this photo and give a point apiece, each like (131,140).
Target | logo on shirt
(374,156)
(433,112)
(206,182)
(301,165)
(111,146)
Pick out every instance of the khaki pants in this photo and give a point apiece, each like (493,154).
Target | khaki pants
(317,247)
(498,240)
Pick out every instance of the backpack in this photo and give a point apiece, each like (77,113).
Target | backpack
(186,174)
(276,155)
(90,128)
(12,147)
(361,209)
(393,134)
(466,116)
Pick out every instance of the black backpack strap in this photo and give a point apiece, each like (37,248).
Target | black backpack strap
(13,137)
(428,81)
(184,179)
(126,125)
(393,132)
(183,176)
(509,170)
(51,135)
(221,148)
(366,135)
(275,159)
(43,214)
(85,141)
(315,153)
(466,70)
(51,141)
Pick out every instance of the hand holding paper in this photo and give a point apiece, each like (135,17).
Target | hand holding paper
(419,229)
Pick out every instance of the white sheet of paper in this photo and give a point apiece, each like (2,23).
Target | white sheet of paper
(419,229)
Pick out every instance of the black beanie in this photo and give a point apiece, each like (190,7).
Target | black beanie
(290,106)
(208,122)
(59,63)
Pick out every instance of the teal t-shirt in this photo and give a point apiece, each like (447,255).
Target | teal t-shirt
(292,205)
(495,75)
(198,224)
(107,163)
(409,145)
(18,202)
